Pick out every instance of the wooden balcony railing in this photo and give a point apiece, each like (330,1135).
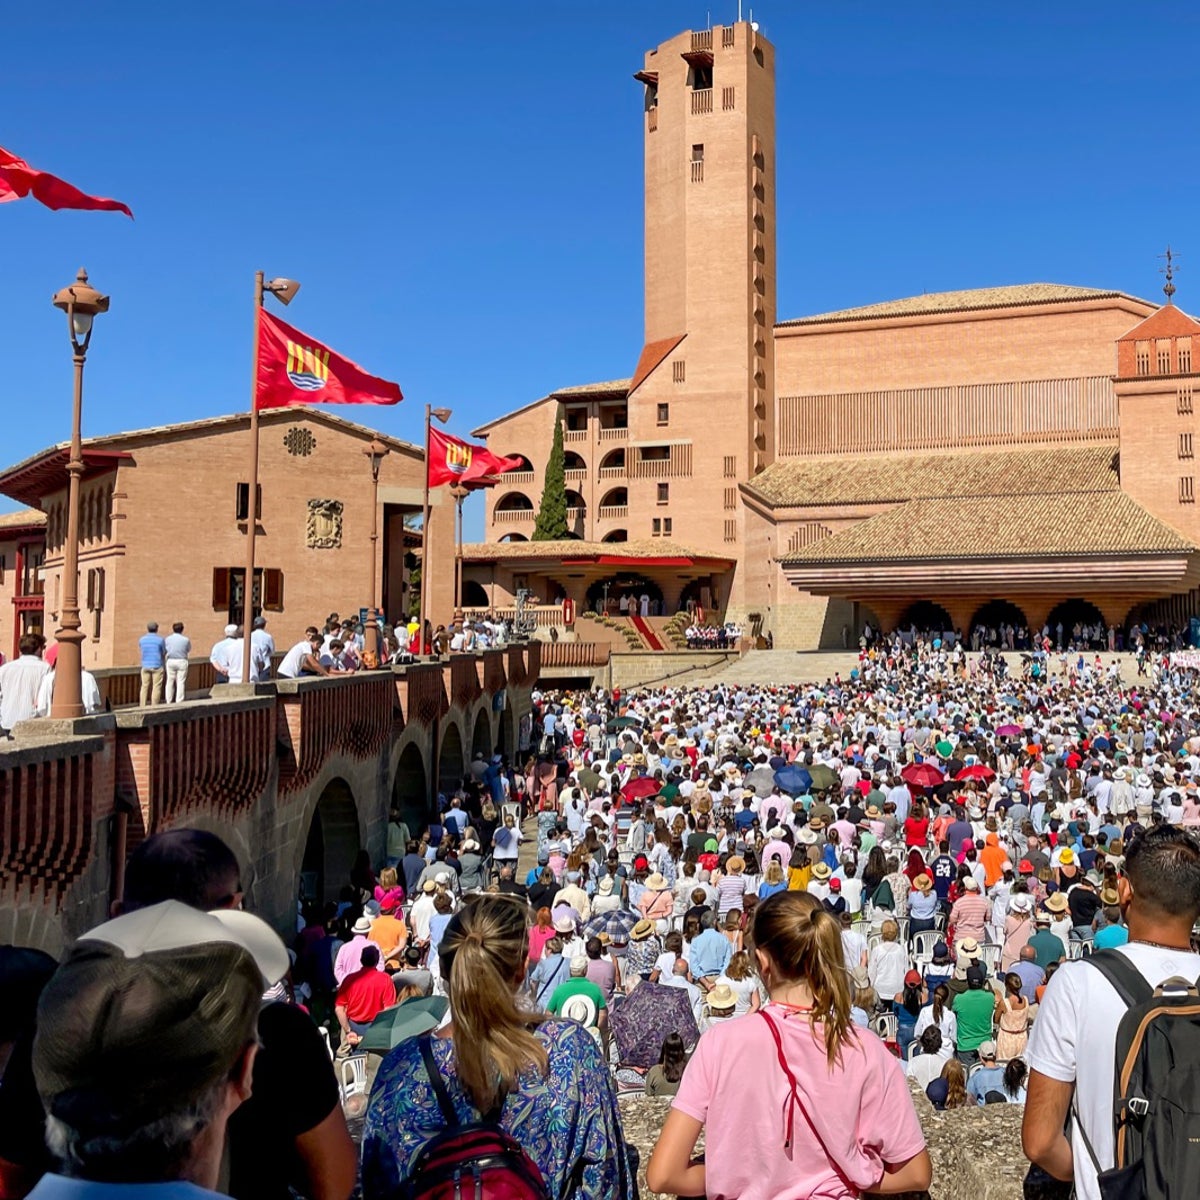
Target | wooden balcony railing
(702,100)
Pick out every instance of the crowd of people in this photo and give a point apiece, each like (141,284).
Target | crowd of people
(798,912)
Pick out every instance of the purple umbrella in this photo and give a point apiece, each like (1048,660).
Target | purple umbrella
(1007,731)
(644,1018)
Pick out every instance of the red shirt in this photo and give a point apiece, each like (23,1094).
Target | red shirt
(365,993)
(915,831)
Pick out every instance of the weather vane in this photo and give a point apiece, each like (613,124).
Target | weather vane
(1169,271)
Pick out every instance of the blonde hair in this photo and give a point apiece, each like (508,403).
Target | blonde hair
(388,877)
(956,1084)
(774,873)
(889,931)
(483,954)
(804,943)
(740,967)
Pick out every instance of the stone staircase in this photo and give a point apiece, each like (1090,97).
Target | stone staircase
(781,667)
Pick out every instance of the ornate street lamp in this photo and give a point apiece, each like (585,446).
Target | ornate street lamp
(376,452)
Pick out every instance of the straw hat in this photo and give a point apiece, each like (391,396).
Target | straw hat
(1056,903)
(923,883)
(606,886)
(806,837)
(821,871)
(722,998)
(655,882)
(873,812)
(641,931)
(968,948)
(735,865)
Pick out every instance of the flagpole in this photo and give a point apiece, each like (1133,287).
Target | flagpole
(252,496)
(425,538)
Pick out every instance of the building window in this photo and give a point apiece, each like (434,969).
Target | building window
(679,371)
(1187,493)
(1143,361)
(656,527)
(1185,360)
(243,502)
(666,526)
(728,95)
(664,493)
(1185,446)
(731,531)
(1183,402)
(698,163)
(1164,362)
(664,414)
(654,453)
(730,468)
(730,499)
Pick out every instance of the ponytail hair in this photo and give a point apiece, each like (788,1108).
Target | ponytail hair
(483,954)
(804,944)
(941,997)
(1015,1072)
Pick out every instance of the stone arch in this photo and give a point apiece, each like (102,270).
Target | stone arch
(616,535)
(573,461)
(514,537)
(481,737)
(1070,612)
(410,787)
(525,464)
(614,459)
(617,497)
(926,614)
(514,502)
(474,594)
(332,843)
(451,760)
(995,613)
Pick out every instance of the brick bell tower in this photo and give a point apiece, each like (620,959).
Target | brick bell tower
(701,402)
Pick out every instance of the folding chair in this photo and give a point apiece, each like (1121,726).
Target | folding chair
(352,1073)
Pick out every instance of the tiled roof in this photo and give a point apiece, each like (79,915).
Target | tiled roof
(818,481)
(1066,525)
(579,391)
(965,301)
(594,389)
(651,356)
(572,548)
(1168,321)
(22,518)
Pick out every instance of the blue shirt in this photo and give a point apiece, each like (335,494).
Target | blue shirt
(59,1187)
(153,650)
(709,954)
(1110,936)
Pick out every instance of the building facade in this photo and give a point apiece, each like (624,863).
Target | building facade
(993,455)
(163,531)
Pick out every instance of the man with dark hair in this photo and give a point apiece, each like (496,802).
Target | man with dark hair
(927,1066)
(192,866)
(362,996)
(1072,1048)
(20,682)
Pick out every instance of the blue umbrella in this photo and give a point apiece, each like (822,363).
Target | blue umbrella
(617,924)
(793,779)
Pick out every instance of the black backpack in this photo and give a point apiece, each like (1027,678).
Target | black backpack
(1156,1087)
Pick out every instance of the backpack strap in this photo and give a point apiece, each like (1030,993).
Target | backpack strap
(1129,982)
(438,1084)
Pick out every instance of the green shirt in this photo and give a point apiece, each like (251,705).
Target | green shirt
(1047,946)
(974,1012)
(575,987)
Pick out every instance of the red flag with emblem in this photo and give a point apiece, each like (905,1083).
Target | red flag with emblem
(455,461)
(18,180)
(296,369)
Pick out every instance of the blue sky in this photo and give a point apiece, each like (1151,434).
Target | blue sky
(458,185)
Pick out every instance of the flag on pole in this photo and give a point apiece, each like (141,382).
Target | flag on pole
(18,180)
(296,369)
(454,461)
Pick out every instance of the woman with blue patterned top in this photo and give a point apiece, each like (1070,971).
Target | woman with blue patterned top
(557,1095)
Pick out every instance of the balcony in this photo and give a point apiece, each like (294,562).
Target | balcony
(518,477)
(612,472)
(702,39)
(698,171)
(575,474)
(613,434)
(702,100)
(616,512)
(512,515)
(575,435)
(576,515)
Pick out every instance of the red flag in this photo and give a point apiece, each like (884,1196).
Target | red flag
(453,461)
(18,179)
(295,369)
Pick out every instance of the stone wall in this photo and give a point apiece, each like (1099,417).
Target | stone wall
(664,668)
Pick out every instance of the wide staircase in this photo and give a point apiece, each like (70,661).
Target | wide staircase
(782,667)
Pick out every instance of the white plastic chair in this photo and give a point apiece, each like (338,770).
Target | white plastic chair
(1079,949)
(989,956)
(886,1025)
(352,1072)
(913,1049)
(921,963)
(924,942)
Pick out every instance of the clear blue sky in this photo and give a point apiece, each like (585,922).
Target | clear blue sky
(458,185)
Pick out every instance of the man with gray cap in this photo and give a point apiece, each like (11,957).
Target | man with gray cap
(262,647)
(147,1035)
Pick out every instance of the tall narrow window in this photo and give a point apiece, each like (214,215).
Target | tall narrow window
(666,526)
(730,467)
(656,527)
(664,493)
(664,414)
(730,499)
(1187,494)
(1164,362)
(1185,446)
(679,370)
(1183,401)
(698,163)
(1185,360)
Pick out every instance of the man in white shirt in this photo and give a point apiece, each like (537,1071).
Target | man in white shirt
(20,681)
(93,702)
(1072,1047)
(927,1066)
(179,648)
(262,647)
(304,658)
(226,657)
(335,660)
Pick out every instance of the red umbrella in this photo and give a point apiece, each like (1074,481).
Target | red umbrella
(1007,731)
(922,775)
(640,788)
(978,771)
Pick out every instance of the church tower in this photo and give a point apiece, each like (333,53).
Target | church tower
(701,402)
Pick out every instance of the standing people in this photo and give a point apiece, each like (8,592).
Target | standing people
(20,681)
(848,1123)
(178,650)
(152,651)
(226,657)
(262,647)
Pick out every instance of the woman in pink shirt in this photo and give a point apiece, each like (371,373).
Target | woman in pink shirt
(794,1100)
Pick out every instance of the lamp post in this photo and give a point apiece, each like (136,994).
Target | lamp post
(81,302)
(459,493)
(376,452)
(443,415)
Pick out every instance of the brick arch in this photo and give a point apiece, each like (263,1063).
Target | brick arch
(452,762)
(410,784)
(332,839)
(482,738)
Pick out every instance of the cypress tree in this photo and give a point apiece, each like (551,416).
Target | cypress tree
(551,523)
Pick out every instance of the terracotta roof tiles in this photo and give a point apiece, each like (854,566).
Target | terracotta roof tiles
(573,548)
(795,482)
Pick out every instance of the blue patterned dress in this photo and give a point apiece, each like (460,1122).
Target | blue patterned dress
(568,1121)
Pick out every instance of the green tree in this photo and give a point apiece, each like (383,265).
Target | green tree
(551,523)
